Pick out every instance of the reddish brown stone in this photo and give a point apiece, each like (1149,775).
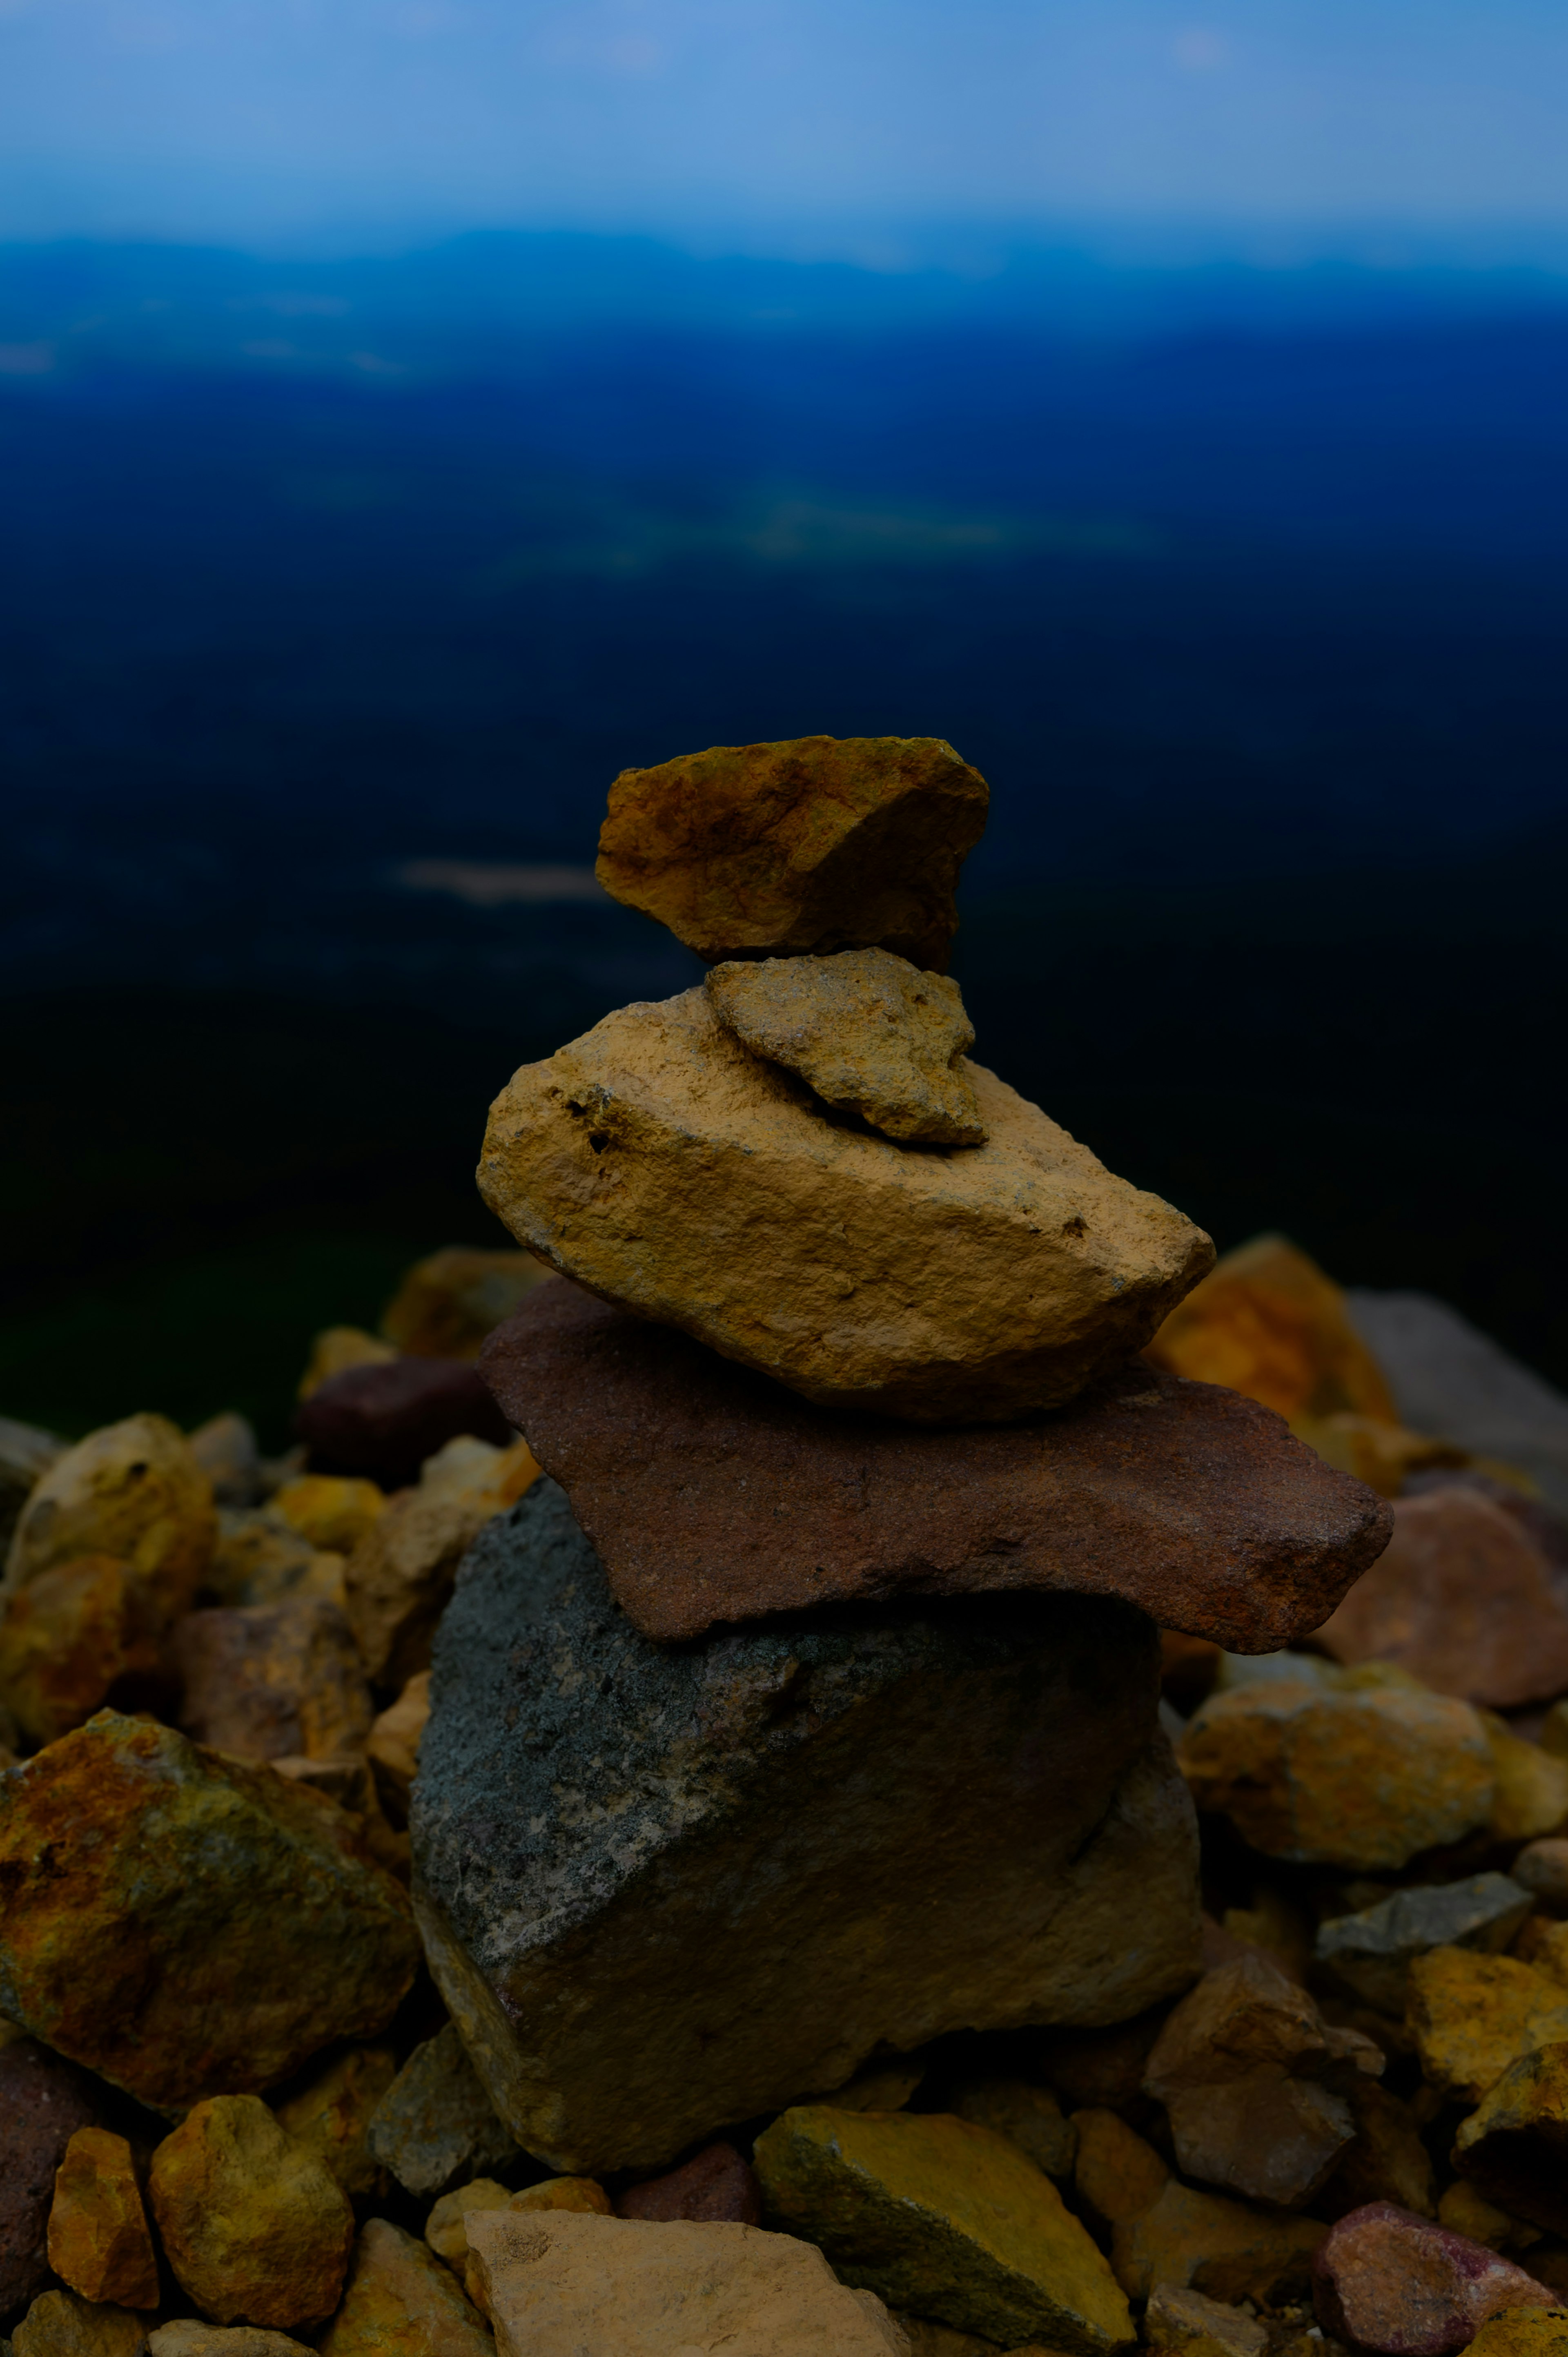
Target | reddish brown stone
(384,1421)
(1385,2279)
(1463,1599)
(43,2101)
(712,1494)
(715,2187)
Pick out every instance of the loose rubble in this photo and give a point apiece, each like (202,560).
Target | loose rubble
(598,1849)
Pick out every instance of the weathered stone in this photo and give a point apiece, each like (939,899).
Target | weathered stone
(273,1680)
(1463,1599)
(400,1574)
(448,1302)
(1162,2233)
(62,2324)
(1524,2332)
(799,848)
(182,1922)
(436,2124)
(714,1495)
(98,2240)
(43,2101)
(27,1453)
(949,2219)
(1541,1867)
(1472,2016)
(331,2114)
(254,2225)
(851,1834)
(187,2337)
(555,2285)
(582,2193)
(258,1559)
(392,1748)
(1208,2328)
(1270,2138)
(668,1168)
(332,1510)
(867,1031)
(1513,2148)
(70,1637)
(1466,2212)
(1267,1322)
(382,1421)
(1385,2280)
(1367,1955)
(225,1450)
(1031,2117)
(1531,1796)
(132,1491)
(1388,2161)
(716,2184)
(399,2301)
(337,1349)
(1361,1779)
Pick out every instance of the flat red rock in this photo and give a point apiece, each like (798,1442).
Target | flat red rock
(713,1495)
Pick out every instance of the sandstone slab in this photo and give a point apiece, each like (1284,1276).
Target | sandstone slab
(944,2217)
(449,1301)
(555,2285)
(1463,1599)
(400,2301)
(713,1495)
(255,2226)
(383,1421)
(184,1923)
(1367,1955)
(813,844)
(666,1167)
(99,2241)
(63,2324)
(273,1681)
(435,2125)
(132,1491)
(400,1576)
(663,1890)
(1387,2281)
(43,2102)
(714,2184)
(71,1638)
(1473,2015)
(1514,2146)
(867,1031)
(1268,1322)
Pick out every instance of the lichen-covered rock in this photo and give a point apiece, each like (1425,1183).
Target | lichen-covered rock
(254,2225)
(1367,1956)
(1364,1779)
(435,2125)
(668,1169)
(450,1301)
(1266,1321)
(184,1923)
(331,1511)
(273,1681)
(1524,2332)
(799,848)
(132,1491)
(1384,2280)
(1030,2116)
(67,1639)
(867,1031)
(98,2240)
(855,1834)
(332,2113)
(400,1574)
(259,1558)
(1472,2016)
(582,2193)
(63,2324)
(400,2301)
(950,2219)
(714,2184)
(1513,2148)
(555,2285)
(43,2101)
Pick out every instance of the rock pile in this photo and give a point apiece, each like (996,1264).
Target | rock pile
(890,1819)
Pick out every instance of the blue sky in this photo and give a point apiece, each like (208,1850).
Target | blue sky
(768,121)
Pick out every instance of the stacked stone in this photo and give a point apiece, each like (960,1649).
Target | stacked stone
(809,1708)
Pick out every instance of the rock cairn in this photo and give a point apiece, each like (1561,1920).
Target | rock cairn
(920,1841)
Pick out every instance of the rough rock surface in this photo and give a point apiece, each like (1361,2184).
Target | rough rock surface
(132,1491)
(436,2125)
(69,1639)
(1472,2016)
(1385,2280)
(259,1558)
(332,2113)
(254,2225)
(814,844)
(861,1832)
(713,1495)
(273,1681)
(1267,1322)
(1463,1599)
(555,2285)
(400,2301)
(714,2184)
(448,1302)
(98,2240)
(393,1750)
(1367,1955)
(945,2218)
(384,1421)
(1514,2145)
(867,1031)
(62,2324)
(400,1576)
(1524,2332)
(668,1168)
(184,1923)
(43,2101)
(1360,1777)
(1162,2233)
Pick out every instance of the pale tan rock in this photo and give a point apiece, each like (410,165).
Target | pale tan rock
(867,1030)
(62,2324)
(132,1491)
(271,1679)
(400,2301)
(813,844)
(665,1167)
(253,2223)
(331,2114)
(337,1348)
(555,2283)
(444,2228)
(400,1574)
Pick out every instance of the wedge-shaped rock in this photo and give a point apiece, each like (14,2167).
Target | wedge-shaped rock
(668,1168)
(864,1029)
(713,1495)
(100,2242)
(950,2219)
(400,2301)
(436,2126)
(816,843)
(664,1890)
(183,1923)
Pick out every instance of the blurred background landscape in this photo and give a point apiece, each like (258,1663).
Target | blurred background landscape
(344,571)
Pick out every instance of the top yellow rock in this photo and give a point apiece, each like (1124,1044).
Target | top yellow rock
(1266,1321)
(818,844)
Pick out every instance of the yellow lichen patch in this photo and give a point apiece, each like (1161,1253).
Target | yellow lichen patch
(400,2301)
(1523,2332)
(1266,1321)
(1472,2016)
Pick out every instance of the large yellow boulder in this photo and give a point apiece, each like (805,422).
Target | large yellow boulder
(1266,1321)
(132,1491)
(255,2226)
(666,1167)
